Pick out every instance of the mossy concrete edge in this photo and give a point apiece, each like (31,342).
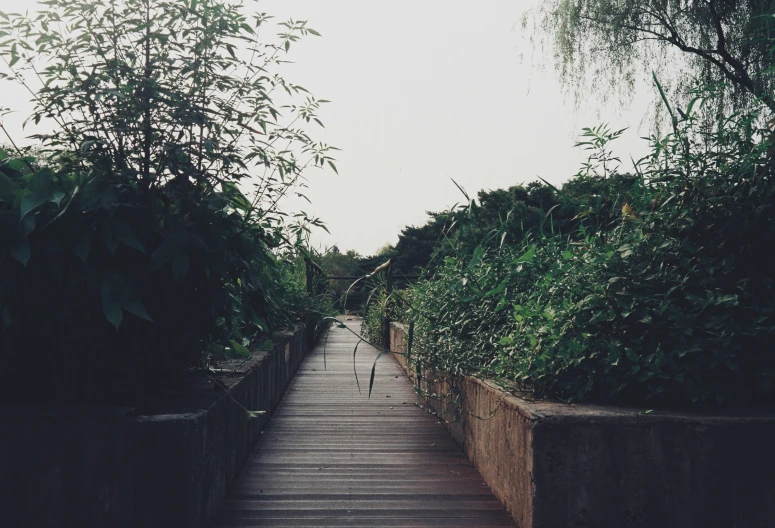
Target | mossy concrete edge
(556,465)
(103,466)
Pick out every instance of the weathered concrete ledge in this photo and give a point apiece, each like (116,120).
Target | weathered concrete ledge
(570,466)
(111,467)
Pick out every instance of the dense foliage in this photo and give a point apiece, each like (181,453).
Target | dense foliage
(128,243)
(334,263)
(517,210)
(379,305)
(661,295)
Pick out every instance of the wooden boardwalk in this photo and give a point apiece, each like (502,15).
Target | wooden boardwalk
(331,456)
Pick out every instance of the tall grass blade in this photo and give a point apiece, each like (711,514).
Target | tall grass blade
(355,370)
(548,215)
(367,304)
(662,94)
(374,370)
(461,190)
(558,190)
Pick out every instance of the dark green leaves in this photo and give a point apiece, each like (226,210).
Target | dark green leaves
(20,251)
(8,188)
(180,267)
(138,198)
(126,235)
(660,293)
(528,256)
(40,189)
(175,248)
(476,258)
(240,349)
(236,197)
(14,55)
(118,295)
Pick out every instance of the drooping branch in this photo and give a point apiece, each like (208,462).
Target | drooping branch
(725,41)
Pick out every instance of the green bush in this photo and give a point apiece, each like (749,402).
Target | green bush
(380,305)
(298,305)
(373,322)
(127,245)
(112,290)
(663,295)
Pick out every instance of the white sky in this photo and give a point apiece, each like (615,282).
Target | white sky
(422,91)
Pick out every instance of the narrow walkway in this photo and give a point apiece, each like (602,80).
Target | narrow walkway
(331,456)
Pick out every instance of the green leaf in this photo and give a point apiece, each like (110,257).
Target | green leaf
(500,288)
(82,248)
(664,98)
(7,168)
(14,56)
(477,256)
(528,256)
(180,266)
(726,299)
(21,252)
(127,236)
(256,320)
(110,286)
(112,312)
(8,188)
(235,196)
(175,244)
(355,370)
(508,340)
(239,348)
(86,145)
(110,241)
(39,191)
(56,197)
(30,201)
(135,306)
(374,370)
(118,294)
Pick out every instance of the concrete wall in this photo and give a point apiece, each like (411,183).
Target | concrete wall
(95,467)
(571,466)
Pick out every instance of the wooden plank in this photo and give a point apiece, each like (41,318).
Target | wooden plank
(331,456)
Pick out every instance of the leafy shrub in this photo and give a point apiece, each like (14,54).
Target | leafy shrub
(128,245)
(334,263)
(663,295)
(373,322)
(314,309)
(381,304)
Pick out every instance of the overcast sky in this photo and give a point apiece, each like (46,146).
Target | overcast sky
(423,91)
